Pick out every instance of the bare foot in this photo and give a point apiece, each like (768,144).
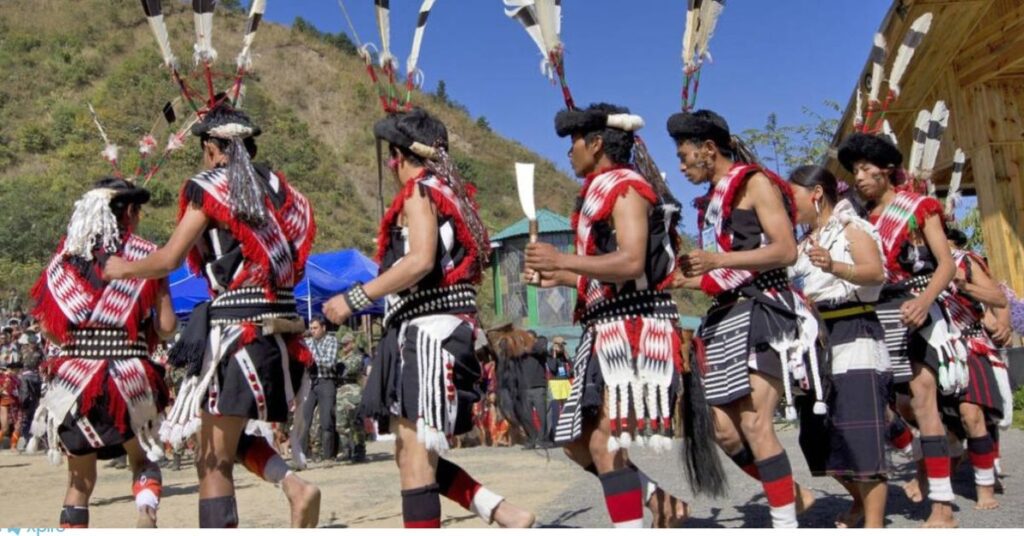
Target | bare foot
(805,498)
(913,491)
(986,498)
(510,516)
(304,499)
(668,511)
(941,517)
(147,519)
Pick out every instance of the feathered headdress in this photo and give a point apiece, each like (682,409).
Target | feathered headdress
(542,20)
(204,55)
(384,71)
(869,123)
(701,20)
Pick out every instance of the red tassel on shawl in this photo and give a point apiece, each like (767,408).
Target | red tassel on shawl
(298,350)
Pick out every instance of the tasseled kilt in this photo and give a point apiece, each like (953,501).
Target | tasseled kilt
(256,379)
(849,441)
(628,366)
(235,364)
(99,404)
(426,371)
(982,390)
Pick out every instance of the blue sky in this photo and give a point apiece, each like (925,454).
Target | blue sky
(767,57)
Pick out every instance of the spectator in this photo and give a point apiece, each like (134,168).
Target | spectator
(559,363)
(534,374)
(9,406)
(350,394)
(30,391)
(324,391)
(8,348)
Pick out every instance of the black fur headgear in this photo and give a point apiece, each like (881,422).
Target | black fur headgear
(225,122)
(700,125)
(875,149)
(594,118)
(415,130)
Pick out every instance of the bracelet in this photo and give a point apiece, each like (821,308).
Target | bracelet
(849,271)
(357,299)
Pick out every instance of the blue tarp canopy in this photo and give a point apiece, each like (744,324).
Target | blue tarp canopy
(327,275)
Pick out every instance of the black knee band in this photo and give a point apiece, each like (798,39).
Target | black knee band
(774,468)
(74,517)
(621,481)
(934,447)
(421,504)
(980,445)
(218,513)
(151,471)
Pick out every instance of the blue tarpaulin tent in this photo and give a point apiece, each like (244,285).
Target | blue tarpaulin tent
(327,274)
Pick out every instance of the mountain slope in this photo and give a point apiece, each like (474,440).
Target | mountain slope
(310,94)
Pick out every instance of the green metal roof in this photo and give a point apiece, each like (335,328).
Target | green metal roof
(548,221)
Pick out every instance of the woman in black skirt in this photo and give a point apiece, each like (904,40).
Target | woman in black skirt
(840,269)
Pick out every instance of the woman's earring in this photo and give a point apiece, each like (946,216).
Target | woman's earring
(817,207)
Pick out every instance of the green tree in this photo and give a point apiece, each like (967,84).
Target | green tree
(483,123)
(789,146)
(442,91)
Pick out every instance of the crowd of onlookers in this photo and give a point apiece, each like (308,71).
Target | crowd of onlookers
(22,350)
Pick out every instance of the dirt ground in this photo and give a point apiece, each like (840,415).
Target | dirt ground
(363,495)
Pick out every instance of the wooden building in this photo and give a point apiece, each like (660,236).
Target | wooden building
(973,59)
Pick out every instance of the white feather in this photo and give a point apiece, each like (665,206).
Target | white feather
(936,128)
(709,13)
(858,117)
(877,67)
(417,40)
(92,225)
(159,28)
(547,20)
(204,51)
(919,137)
(906,51)
(690,36)
(244,59)
(384,29)
(953,197)
(887,131)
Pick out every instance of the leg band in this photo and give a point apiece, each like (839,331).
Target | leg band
(148,487)
(982,453)
(777,481)
(623,497)
(456,484)
(937,468)
(421,508)
(261,459)
(74,517)
(218,513)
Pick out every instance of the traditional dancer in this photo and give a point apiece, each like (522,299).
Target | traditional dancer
(972,412)
(106,396)
(927,355)
(758,337)
(840,269)
(627,363)
(249,233)
(432,249)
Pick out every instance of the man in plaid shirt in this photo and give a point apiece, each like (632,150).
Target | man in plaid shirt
(324,390)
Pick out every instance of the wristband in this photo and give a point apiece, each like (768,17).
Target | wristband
(357,299)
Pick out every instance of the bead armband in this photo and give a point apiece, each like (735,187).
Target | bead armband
(357,299)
